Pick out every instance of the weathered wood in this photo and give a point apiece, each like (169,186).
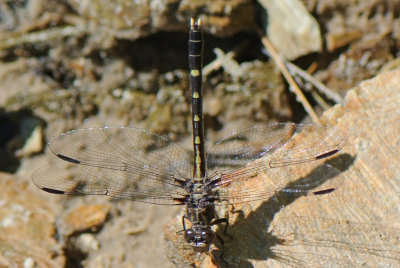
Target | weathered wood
(355,225)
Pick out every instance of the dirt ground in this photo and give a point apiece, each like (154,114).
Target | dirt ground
(68,65)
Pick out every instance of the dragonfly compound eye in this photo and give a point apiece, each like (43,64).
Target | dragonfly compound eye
(190,236)
(208,236)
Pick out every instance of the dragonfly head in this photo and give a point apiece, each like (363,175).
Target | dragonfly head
(200,238)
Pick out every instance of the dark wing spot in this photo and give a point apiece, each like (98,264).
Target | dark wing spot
(68,159)
(326,191)
(327,154)
(52,191)
(235,138)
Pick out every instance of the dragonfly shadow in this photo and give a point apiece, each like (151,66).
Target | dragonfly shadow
(250,236)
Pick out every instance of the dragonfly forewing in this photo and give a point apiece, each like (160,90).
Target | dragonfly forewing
(120,162)
(257,162)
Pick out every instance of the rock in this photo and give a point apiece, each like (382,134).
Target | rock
(341,39)
(291,28)
(33,144)
(361,61)
(86,217)
(131,20)
(87,243)
(27,228)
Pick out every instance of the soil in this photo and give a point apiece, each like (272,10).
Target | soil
(64,65)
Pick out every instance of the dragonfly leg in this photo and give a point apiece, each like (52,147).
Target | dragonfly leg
(183,224)
(219,221)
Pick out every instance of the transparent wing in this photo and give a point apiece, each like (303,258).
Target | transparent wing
(121,162)
(259,161)
(350,242)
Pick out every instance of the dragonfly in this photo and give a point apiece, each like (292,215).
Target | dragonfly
(139,165)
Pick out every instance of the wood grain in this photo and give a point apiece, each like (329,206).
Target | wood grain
(358,224)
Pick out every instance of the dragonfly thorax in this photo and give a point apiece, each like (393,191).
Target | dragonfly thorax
(200,195)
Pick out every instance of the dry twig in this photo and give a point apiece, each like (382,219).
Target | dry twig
(293,86)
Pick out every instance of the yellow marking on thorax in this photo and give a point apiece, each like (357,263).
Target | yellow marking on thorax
(197,140)
(196,95)
(196,118)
